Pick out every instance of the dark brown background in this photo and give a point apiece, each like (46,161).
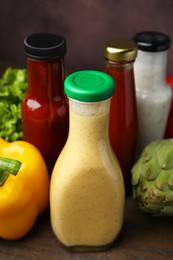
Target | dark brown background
(86,24)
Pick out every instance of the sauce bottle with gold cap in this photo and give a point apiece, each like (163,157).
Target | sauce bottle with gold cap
(119,57)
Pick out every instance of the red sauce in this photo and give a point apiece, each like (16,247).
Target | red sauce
(169,127)
(45,110)
(123,127)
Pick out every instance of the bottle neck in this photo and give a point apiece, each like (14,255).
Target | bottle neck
(150,67)
(46,78)
(89,121)
(123,74)
(119,65)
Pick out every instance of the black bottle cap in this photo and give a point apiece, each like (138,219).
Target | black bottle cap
(45,46)
(152,41)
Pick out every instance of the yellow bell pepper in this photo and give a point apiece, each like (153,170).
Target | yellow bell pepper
(25,196)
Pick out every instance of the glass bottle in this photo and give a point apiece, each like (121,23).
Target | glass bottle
(45,112)
(169,125)
(153,94)
(87,188)
(119,55)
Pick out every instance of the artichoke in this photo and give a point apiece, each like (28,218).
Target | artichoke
(152,178)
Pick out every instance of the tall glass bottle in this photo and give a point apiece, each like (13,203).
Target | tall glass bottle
(119,56)
(45,108)
(87,189)
(153,94)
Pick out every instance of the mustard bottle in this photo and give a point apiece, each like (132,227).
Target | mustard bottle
(87,190)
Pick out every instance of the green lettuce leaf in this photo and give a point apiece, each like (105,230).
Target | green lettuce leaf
(13,85)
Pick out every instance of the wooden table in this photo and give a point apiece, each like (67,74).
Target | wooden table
(142,237)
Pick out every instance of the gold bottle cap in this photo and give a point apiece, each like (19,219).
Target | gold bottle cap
(120,50)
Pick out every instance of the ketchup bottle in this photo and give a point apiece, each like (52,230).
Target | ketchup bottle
(169,126)
(123,127)
(45,109)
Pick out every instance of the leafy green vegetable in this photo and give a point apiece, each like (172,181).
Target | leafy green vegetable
(13,85)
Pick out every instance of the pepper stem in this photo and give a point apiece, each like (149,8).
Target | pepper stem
(8,166)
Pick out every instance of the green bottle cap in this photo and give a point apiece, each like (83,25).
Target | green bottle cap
(89,86)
